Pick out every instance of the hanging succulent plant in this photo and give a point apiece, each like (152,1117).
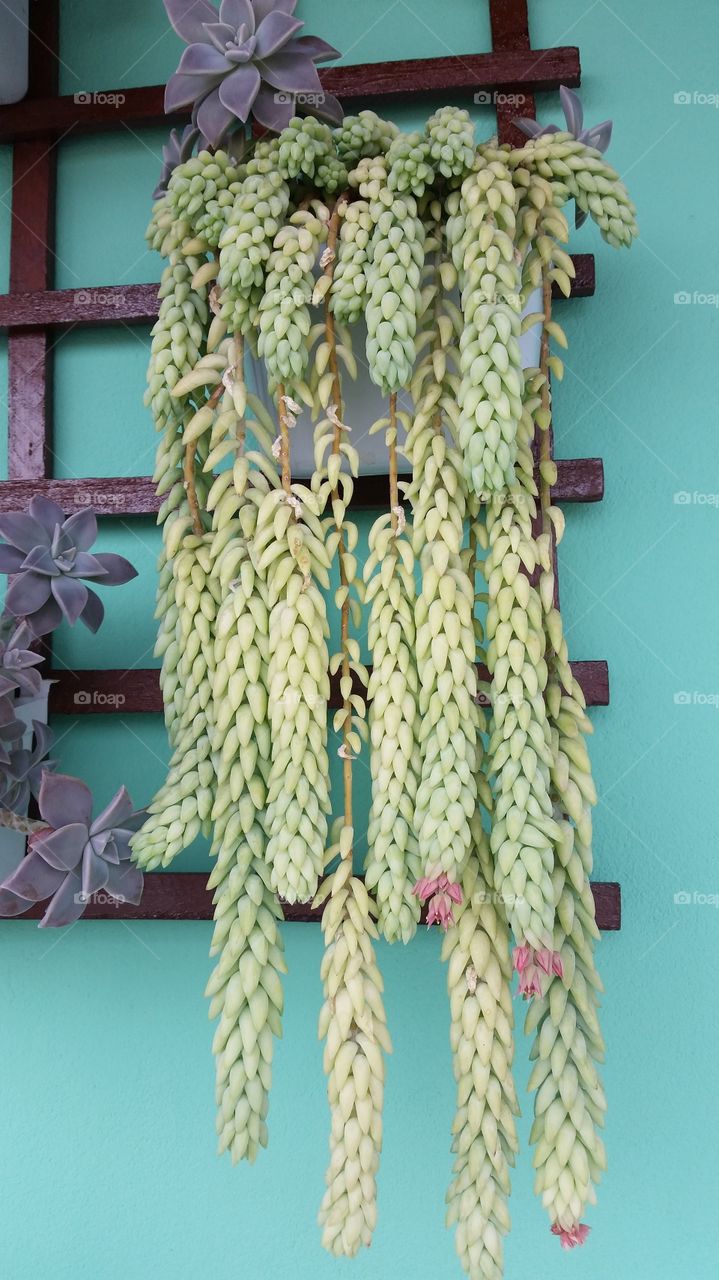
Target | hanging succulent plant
(48,554)
(71,857)
(245,62)
(436,244)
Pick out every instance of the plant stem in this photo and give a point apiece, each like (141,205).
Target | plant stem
(20,822)
(545,436)
(284,438)
(188,472)
(393,488)
(331,339)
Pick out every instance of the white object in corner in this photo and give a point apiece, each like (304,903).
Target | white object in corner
(13,50)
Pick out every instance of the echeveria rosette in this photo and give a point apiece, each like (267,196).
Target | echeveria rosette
(245,60)
(18,663)
(21,774)
(176,150)
(48,554)
(74,857)
(598,136)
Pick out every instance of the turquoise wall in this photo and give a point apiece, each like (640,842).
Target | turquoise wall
(107,1164)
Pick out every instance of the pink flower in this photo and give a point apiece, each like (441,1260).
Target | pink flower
(571,1236)
(531,965)
(443,892)
(550,962)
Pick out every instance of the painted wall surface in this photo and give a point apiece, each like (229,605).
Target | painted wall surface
(107,1163)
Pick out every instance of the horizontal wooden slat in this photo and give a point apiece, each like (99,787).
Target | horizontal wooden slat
(138,304)
(578,480)
(94,692)
(170,895)
(101,111)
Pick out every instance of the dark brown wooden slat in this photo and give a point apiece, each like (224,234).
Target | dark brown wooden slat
(510,33)
(103,111)
(137,303)
(170,895)
(117,692)
(578,480)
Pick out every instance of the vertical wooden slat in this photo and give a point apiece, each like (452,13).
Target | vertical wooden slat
(510,30)
(31,246)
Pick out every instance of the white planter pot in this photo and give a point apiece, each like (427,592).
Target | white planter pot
(364,404)
(13,50)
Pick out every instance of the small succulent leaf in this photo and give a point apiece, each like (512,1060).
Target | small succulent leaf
(95,872)
(269,112)
(67,904)
(94,611)
(114,814)
(63,848)
(81,528)
(41,561)
(274,32)
(7,685)
(22,531)
(12,904)
(87,566)
(65,799)
(47,513)
(106,846)
(187,17)
(238,92)
(71,596)
(10,559)
(180,91)
(116,568)
(313,47)
(263,7)
(287,71)
(214,119)
(599,136)
(220,34)
(238,13)
(34,879)
(330,108)
(46,618)
(572,108)
(125,883)
(203,60)
(27,593)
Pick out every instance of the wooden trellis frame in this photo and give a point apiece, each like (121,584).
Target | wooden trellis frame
(32,311)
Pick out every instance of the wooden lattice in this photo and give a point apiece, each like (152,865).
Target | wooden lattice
(31,312)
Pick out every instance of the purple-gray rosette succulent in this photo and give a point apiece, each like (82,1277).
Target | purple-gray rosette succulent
(48,555)
(598,136)
(73,857)
(21,774)
(176,150)
(246,60)
(18,663)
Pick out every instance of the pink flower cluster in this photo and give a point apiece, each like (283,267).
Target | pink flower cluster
(571,1236)
(439,888)
(532,966)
